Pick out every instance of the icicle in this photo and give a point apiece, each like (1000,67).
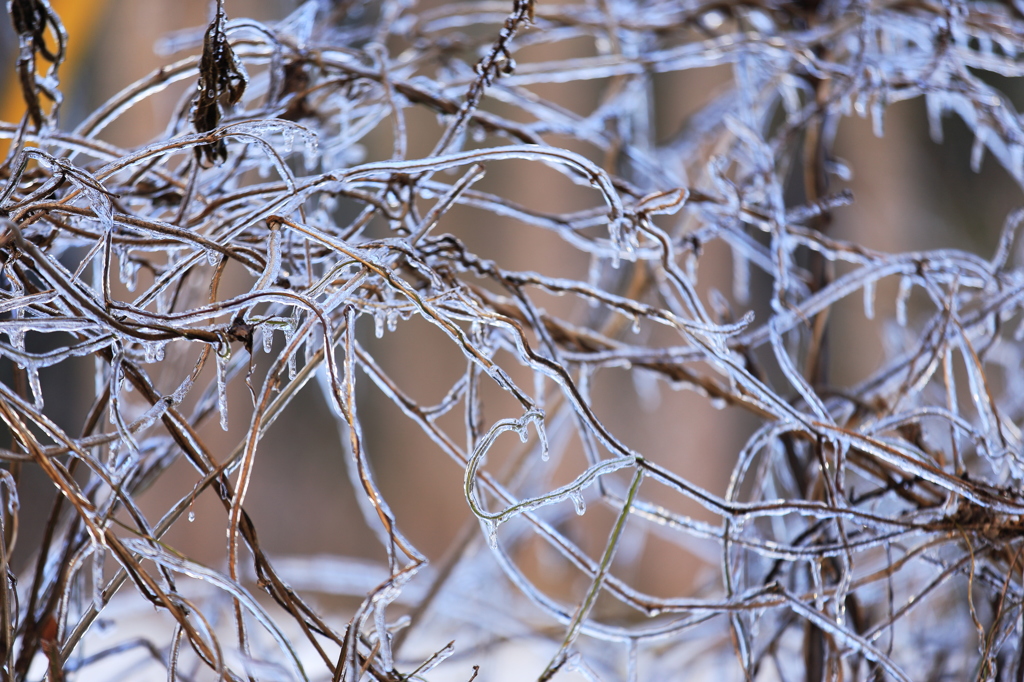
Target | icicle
(116,386)
(311,153)
(267,336)
(300,23)
(312,346)
(1007,46)
(101,206)
(984,44)
(378,323)
(740,277)
(869,299)
(33,383)
(578,502)
(790,96)
(272,272)
(632,659)
(846,106)
(878,117)
(538,396)
(264,168)
(1017,160)
(619,233)
(98,555)
(691,268)
(191,516)
(860,105)
(594,270)
(154,350)
(646,386)
(130,461)
(383,636)
(491,531)
(977,152)
(294,323)
(542,436)
(222,384)
(906,284)
(16,337)
(392,319)
(521,430)
(129,269)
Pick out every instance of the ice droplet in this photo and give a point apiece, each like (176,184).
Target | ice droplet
(191,516)
(578,502)
(840,169)
(714,19)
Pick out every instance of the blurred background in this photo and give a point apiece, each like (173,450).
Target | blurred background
(911,194)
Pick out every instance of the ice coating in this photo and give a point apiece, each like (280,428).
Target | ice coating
(298,190)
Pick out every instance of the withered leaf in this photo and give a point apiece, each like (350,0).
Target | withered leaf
(222,81)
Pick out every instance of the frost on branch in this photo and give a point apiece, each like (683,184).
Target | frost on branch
(349,169)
